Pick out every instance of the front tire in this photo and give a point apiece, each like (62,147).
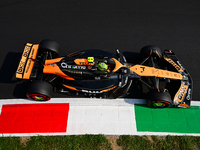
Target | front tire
(151,51)
(39,91)
(157,99)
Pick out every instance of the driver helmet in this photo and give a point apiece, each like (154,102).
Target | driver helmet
(102,66)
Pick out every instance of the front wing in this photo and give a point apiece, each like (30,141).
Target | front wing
(183,96)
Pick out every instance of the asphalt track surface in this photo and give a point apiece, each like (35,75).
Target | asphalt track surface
(104,24)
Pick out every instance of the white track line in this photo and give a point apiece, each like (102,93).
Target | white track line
(195,103)
(79,101)
(85,101)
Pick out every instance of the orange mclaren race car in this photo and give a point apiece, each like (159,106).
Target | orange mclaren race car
(99,73)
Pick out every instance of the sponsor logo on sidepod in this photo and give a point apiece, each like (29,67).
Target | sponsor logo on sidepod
(65,65)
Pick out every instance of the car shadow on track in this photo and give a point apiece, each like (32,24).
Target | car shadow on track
(21,89)
(9,67)
(7,74)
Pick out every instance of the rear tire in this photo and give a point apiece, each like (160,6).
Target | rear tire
(39,91)
(50,46)
(157,99)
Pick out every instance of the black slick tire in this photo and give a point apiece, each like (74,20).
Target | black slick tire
(40,91)
(151,50)
(157,99)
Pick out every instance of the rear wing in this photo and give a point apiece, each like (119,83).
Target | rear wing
(27,61)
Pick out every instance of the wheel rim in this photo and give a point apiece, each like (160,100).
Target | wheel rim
(159,104)
(38,97)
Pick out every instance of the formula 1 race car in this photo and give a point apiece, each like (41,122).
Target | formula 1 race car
(99,73)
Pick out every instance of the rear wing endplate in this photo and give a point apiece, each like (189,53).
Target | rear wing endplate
(27,61)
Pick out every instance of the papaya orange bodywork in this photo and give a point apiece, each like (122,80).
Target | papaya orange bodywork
(83,61)
(118,65)
(54,69)
(29,44)
(151,71)
(27,61)
(28,69)
(183,105)
(70,87)
(52,61)
(33,52)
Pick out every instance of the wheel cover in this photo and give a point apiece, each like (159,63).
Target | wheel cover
(38,97)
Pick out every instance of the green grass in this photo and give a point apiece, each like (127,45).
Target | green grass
(10,143)
(86,142)
(159,143)
(95,142)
